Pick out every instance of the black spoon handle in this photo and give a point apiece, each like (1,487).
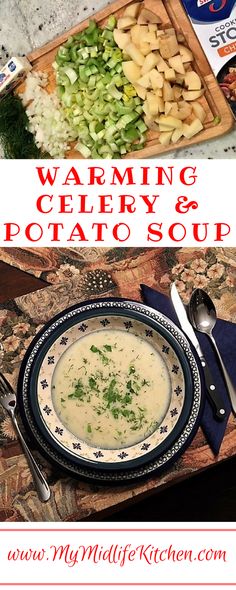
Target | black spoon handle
(214,396)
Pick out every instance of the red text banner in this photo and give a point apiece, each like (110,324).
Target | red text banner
(124,203)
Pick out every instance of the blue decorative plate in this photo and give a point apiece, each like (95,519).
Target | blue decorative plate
(90,455)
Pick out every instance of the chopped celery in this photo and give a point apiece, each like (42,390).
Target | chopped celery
(84,150)
(71,74)
(111,23)
(131,134)
(63,55)
(101,106)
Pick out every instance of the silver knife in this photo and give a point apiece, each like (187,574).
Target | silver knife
(214,395)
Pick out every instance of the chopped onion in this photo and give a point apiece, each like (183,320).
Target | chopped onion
(47,122)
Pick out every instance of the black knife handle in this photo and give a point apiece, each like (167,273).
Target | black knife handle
(214,396)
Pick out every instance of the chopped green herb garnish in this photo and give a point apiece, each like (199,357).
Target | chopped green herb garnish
(105,360)
(95,349)
(78,392)
(93,384)
(89,428)
(145,382)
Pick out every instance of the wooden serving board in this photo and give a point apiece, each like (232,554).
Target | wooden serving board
(172,13)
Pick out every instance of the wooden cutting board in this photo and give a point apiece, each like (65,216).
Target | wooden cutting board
(172,13)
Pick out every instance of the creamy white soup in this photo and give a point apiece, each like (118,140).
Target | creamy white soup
(111,389)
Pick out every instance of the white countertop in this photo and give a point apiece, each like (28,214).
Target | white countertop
(27,24)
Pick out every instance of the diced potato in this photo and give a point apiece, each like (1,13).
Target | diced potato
(161,64)
(161,104)
(121,39)
(125,22)
(174,111)
(135,54)
(158,64)
(170,122)
(168,93)
(150,62)
(132,10)
(146,16)
(189,95)
(155,46)
(199,111)
(149,38)
(150,123)
(144,48)
(165,137)
(177,92)
(190,119)
(190,130)
(146,110)
(185,53)
(177,64)
(170,31)
(152,27)
(164,128)
(144,81)
(179,79)
(192,81)
(157,79)
(168,46)
(131,71)
(141,91)
(185,112)
(137,32)
(176,135)
(180,37)
(170,75)
(152,104)
(168,107)
(188,67)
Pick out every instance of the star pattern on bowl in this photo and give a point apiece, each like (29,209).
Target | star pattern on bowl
(63,341)
(128,325)
(51,360)
(98,454)
(123,455)
(165,349)
(145,446)
(59,430)
(83,327)
(47,410)
(149,333)
(104,322)
(76,446)
(178,390)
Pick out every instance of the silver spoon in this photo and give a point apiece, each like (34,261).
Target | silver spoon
(203,317)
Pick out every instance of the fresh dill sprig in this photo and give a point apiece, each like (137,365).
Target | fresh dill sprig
(15,137)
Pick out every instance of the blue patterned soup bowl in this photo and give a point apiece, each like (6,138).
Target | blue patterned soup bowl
(110,390)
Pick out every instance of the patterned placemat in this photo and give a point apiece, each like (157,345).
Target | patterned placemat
(77,274)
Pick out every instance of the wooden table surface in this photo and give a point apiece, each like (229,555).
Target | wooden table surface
(14,282)
(173,501)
